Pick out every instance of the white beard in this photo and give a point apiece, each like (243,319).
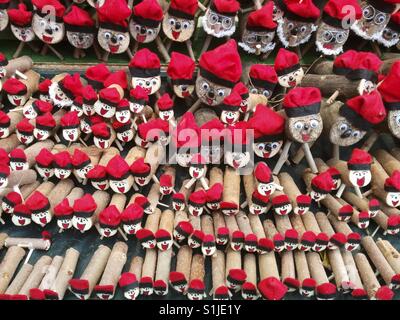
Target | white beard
(358,31)
(387,43)
(222,34)
(269,47)
(328,52)
(281,36)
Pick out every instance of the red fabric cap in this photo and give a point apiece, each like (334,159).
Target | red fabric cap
(138,93)
(133,212)
(46,120)
(308,236)
(369,106)
(181,66)
(43,106)
(89,94)
(101,130)
(272,289)
(98,72)
(144,233)
(14,197)
(303,9)
(339,238)
(393,182)
(145,59)
(384,293)
(126,279)
(262,18)
(72,84)
(37,201)
(233,100)
(241,89)
(238,275)
(165,102)
(36,294)
(285,59)
(141,201)
(44,158)
(197,285)
(323,182)
(17,153)
(58,7)
(367,61)
(78,17)
(302,96)
(187,122)
(198,198)
(22,210)
(44,86)
(162,234)
(326,289)
(139,167)
(115,12)
(123,105)
(20,17)
(280,200)
(166,180)
(79,157)
(213,131)
(186,227)
(13,86)
(388,88)
(359,156)
(346,210)
(223,62)
(267,122)
(152,130)
(110,95)
(226,6)
(186,6)
(62,159)
(97,172)
(237,235)
(148,9)
(214,194)
(374,203)
(85,204)
(63,209)
(345,61)
(303,199)
(291,234)
(263,173)
(395,17)
(24,126)
(354,236)
(70,119)
(110,216)
(263,72)
(333,172)
(337,9)
(118,77)
(117,167)
(393,221)
(309,283)
(265,244)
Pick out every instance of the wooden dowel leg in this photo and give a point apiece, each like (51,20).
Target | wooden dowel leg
(309,157)
(282,159)
(33,47)
(195,106)
(19,49)
(58,54)
(190,49)
(162,49)
(206,44)
(370,141)
(97,51)
(44,50)
(336,152)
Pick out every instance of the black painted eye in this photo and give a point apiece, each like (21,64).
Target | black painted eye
(56,28)
(150,32)
(380,18)
(185,25)
(171,22)
(303,29)
(266,93)
(120,37)
(205,86)
(356,134)
(107,35)
(368,12)
(343,127)
(341,37)
(254,91)
(137,28)
(220,92)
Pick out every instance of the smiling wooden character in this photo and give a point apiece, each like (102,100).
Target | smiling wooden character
(3,14)
(220,70)
(219,20)
(181,72)
(113,35)
(178,23)
(391,34)
(288,69)
(145,23)
(21,23)
(63,93)
(262,80)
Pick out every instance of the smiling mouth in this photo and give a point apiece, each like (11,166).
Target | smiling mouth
(141,38)
(305,137)
(292,83)
(121,189)
(17,101)
(360,181)
(47,38)
(113,48)
(395,203)
(103,111)
(236,164)
(328,46)
(176,34)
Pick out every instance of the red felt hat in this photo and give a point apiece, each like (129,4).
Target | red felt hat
(166,180)
(374,205)
(138,95)
(222,65)
(237,276)
(80,159)
(322,183)
(89,95)
(225,7)
(231,102)
(132,214)
(263,76)
(343,63)
(261,19)
(181,67)
(70,120)
(165,102)
(197,286)
(309,284)
(308,238)
(63,209)
(265,245)
(110,96)
(152,130)
(272,289)
(322,238)
(241,89)
(71,85)
(197,198)
(302,101)
(303,200)
(123,105)
(4,4)
(142,201)
(44,158)
(12,198)
(144,64)
(237,236)
(184,9)
(280,200)
(212,131)
(148,13)
(101,130)
(394,22)
(393,221)
(118,77)
(84,206)
(44,86)
(304,10)
(388,88)
(62,160)
(384,293)
(20,17)
(45,122)
(113,14)
(78,101)
(188,124)
(17,155)
(251,239)
(286,62)
(338,239)
(144,235)
(198,235)
(96,74)
(4,120)
(97,173)
(139,168)
(214,194)
(364,111)
(41,6)
(22,210)
(359,294)
(120,127)
(335,173)
(185,228)
(117,168)
(37,202)
(25,127)
(278,240)
(263,173)
(359,160)
(268,125)
(128,280)
(13,86)
(392,184)
(78,20)
(335,11)
(41,107)
(110,217)
(326,291)
(163,235)
(365,66)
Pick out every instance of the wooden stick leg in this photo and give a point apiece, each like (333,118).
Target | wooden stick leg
(206,44)
(309,157)
(76,53)
(97,51)
(376,48)
(44,50)
(358,192)
(162,49)
(336,152)
(33,47)
(195,106)
(333,97)
(190,49)
(341,190)
(106,55)
(28,256)
(190,183)
(58,54)
(129,52)
(168,44)
(282,159)
(135,47)
(19,49)
(370,141)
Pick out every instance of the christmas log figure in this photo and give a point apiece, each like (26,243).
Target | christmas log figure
(301,203)
(196,289)
(235,275)
(9,265)
(179,279)
(165,230)
(51,273)
(390,253)
(63,210)
(249,288)
(208,245)
(219,290)
(250,239)
(385,187)
(358,290)
(98,175)
(307,285)
(231,193)
(18,281)
(336,239)
(146,236)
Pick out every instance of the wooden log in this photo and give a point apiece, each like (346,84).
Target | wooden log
(22,64)
(136,266)
(9,265)
(218,273)
(179,279)
(197,274)
(337,209)
(19,279)
(322,67)
(316,267)
(146,283)
(21,177)
(51,273)
(324,223)
(10,143)
(301,265)
(150,228)
(249,288)
(154,196)
(36,276)
(267,266)
(390,253)
(367,275)
(256,226)
(352,271)
(162,272)
(310,222)
(235,276)
(15,118)
(379,177)
(250,241)
(167,226)
(221,238)
(388,162)
(292,191)
(231,194)
(339,271)
(60,191)
(31,243)
(32,151)
(288,271)
(3,237)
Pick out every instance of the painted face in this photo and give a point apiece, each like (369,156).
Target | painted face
(123,116)
(58,97)
(151,85)
(306,293)
(143,34)
(183,90)
(104,110)
(218,25)
(166,115)
(149,210)
(125,136)
(344,134)
(20,221)
(131,294)
(81,296)
(366,86)
(394,122)
(166,190)
(131,228)
(319,247)
(392,231)
(316,196)
(164,245)
(221,240)
(24,34)
(209,92)
(78,109)
(230,117)
(232,286)
(85,127)
(88,109)
(150,244)
(178,236)
(7,208)
(101,185)
(257,209)
(193,243)
(266,189)
(48,31)
(363,224)
(183,159)
(17,100)
(24,138)
(82,224)
(291,79)
(305,129)
(236,245)
(164,140)
(180,287)
(208,250)
(64,224)
(351,246)
(177,29)
(212,154)
(81,40)
(389,37)
(70,134)
(120,186)
(237,160)
(393,199)
(283,210)
(82,172)
(360,178)
(108,232)
(4,132)
(330,39)
(45,173)
(267,93)
(96,3)
(197,172)
(178,206)
(267,150)
(300,210)
(257,42)
(304,247)
(62,173)
(195,210)
(101,143)
(294,33)
(3,19)
(29,112)
(41,218)
(17,165)
(250,296)
(142,181)
(45,97)
(104,296)
(113,41)
(372,23)
(41,134)
(195,295)
(136,108)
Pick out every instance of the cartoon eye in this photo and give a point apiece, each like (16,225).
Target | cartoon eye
(266,93)
(303,29)
(356,134)
(260,146)
(137,28)
(220,92)
(213,18)
(275,10)
(327,36)
(185,25)
(150,32)
(75,37)
(274,145)
(368,12)
(254,91)
(56,28)
(205,86)
(107,35)
(380,18)
(299,125)
(343,127)
(341,37)
(394,35)
(227,23)
(42,23)
(397,119)
(251,38)
(171,22)
(290,25)
(120,38)
(314,123)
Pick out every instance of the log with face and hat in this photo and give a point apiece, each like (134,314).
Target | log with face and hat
(181,72)
(4,18)
(288,69)
(63,92)
(391,34)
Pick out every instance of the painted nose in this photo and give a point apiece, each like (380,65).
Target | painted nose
(178,26)
(306,127)
(49,30)
(346,134)
(143,30)
(211,94)
(268,148)
(114,39)
(294,31)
